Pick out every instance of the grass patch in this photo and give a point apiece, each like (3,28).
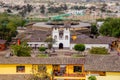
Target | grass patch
(43,55)
(99,50)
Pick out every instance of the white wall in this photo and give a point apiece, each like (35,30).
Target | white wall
(89,46)
(75,12)
(96,45)
(66,43)
(32,44)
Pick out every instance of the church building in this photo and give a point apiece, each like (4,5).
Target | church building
(65,37)
(61,35)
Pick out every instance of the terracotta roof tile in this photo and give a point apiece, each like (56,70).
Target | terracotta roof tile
(102,63)
(50,60)
(98,40)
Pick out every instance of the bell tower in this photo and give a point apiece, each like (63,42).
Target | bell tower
(61,34)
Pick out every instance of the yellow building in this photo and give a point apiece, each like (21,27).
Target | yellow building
(61,68)
(56,68)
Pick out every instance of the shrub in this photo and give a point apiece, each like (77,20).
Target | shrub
(79,47)
(21,50)
(42,49)
(98,50)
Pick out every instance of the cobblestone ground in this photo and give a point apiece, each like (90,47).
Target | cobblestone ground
(57,53)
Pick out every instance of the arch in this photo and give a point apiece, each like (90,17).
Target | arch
(61,46)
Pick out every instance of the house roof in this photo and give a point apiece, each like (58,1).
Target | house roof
(91,62)
(50,60)
(102,63)
(98,40)
(37,36)
(43,24)
(2,41)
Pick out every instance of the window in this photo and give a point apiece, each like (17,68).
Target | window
(66,37)
(30,45)
(77,68)
(55,37)
(61,34)
(20,69)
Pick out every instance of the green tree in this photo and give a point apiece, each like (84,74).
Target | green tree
(79,47)
(98,50)
(21,50)
(65,7)
(40,73)
(9,24)
(92,78)
(94,29)
(111,27)
(42,9)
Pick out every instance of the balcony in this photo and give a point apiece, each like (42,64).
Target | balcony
(76,76)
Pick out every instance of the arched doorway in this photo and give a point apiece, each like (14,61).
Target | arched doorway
(61,46)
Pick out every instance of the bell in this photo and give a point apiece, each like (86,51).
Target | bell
(74,37)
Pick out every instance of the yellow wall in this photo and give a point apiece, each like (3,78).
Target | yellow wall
(11,69)
(112,73)
(109,76)
(106,77)
(49,69)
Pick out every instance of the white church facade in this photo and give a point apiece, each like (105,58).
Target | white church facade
(61,37)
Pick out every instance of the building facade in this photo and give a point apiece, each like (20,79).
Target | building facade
(61,37)
(65,68)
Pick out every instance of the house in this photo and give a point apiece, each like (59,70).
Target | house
(76,12)
(56,67)
(36,38)
(103,67)
(2,45)
(100,41)
(65,68)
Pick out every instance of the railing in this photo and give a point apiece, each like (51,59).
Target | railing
(74,75)
(70,75)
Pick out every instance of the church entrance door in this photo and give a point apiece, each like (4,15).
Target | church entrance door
(61,46)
